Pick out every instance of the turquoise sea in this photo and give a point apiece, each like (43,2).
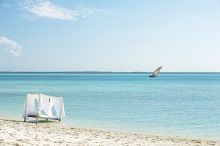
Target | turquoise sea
(184,104)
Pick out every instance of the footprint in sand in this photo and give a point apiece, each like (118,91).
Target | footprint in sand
(210,143)
(196,141)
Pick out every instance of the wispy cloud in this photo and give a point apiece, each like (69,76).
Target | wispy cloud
(10,46)
(45,8)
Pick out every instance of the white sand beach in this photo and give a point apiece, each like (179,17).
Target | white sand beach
(55,133)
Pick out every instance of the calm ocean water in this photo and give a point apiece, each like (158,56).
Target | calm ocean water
(172,104)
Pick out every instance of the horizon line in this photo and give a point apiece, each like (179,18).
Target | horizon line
(165,72)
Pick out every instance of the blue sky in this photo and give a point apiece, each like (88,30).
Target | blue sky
(116,35)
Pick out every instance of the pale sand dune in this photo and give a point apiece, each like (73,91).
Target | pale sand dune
(20,133)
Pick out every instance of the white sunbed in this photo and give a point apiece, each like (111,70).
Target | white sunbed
(41,106)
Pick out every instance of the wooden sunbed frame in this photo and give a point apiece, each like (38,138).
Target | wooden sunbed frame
(37,116)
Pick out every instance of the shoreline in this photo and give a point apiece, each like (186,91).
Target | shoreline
(150,133)
(13,132)
(114,130)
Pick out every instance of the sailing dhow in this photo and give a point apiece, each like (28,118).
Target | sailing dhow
(156,72)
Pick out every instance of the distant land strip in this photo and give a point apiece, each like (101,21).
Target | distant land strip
(105,72)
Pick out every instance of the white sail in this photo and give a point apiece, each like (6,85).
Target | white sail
(157,71)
